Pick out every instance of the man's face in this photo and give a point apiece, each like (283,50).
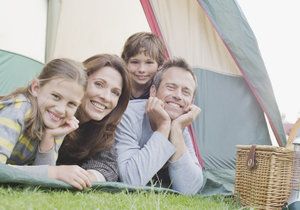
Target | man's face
(176,90)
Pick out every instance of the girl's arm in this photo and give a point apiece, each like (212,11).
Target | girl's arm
(52,139)
(12,119)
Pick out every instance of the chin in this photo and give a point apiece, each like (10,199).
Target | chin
(173,115)
(51,125)
(97,117)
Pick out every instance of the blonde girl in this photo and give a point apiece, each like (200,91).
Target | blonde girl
(35,119)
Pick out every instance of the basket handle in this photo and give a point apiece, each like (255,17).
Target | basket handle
(251,160)
(293,134)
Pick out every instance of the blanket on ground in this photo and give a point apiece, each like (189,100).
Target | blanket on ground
(11,175)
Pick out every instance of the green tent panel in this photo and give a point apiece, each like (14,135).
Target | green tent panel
(16,71)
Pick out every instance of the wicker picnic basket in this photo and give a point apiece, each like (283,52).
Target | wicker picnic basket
(263,176)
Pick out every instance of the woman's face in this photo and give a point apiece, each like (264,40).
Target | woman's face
(103,91)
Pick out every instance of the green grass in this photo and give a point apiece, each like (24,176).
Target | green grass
(35,198)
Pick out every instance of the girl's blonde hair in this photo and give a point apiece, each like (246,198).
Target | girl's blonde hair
(62,68)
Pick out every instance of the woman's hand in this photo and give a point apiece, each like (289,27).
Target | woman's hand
(71,174)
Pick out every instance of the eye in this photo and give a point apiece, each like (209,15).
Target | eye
(187,92)
(99,84)
(73,105)
(150,62)
(116,93)
(55,97)
(133,62)
(170,87)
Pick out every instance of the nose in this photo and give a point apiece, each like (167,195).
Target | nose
(177,94)
(142,68)
(106,95)
(60,108)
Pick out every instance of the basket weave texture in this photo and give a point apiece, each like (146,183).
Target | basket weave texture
(268,184)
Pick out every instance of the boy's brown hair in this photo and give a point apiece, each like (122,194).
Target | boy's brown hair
(147,43)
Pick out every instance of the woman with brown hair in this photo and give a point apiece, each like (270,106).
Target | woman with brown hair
(91,146)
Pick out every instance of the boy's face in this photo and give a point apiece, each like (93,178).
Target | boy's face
(142,69)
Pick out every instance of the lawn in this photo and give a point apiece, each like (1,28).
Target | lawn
(39,198)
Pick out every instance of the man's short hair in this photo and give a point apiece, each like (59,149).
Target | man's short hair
(175,62)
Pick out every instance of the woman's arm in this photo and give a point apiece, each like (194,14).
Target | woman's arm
(105,163)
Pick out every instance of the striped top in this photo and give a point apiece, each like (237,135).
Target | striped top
(15,147)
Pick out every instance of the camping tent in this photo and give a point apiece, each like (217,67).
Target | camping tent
(235,93)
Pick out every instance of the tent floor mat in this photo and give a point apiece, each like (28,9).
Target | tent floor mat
(13,176)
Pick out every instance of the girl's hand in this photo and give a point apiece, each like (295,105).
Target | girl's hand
(65,129)
(71,174)
(47,142)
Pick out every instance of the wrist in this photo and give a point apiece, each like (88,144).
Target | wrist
(46,144)
(165,129)
(176,126)
(52,172)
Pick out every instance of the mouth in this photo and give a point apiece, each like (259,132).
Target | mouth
(175,105)
(141,77)
(54,117)
(98,106)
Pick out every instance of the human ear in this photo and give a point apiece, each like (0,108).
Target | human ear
(152,91)
(34,87)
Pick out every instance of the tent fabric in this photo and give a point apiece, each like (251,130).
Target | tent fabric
(23,27)
(189,34)
(16,71)
(101,27)
(234,88)
(11,175)
(228,112)
(237,35)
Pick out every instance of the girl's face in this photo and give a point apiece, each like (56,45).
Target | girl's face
(57,100)
(142,69)
(103,91)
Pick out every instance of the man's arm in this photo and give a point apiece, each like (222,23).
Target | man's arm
(138,164)
(185,172)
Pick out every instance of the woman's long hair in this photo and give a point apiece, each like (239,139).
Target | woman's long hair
(62,68)
(94,136)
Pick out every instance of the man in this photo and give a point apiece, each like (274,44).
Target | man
(152,138)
